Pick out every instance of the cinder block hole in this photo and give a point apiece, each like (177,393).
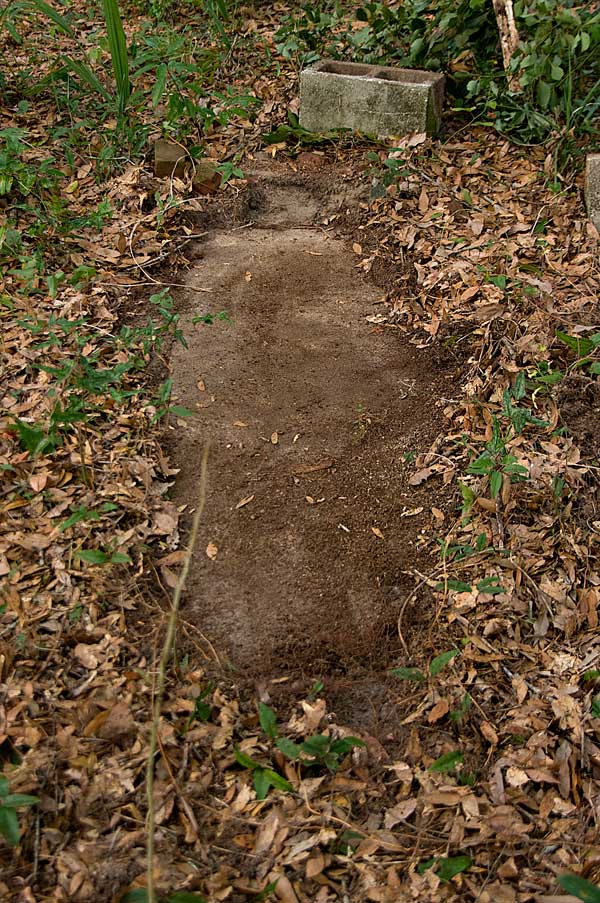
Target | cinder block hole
(336,68)
(405,76)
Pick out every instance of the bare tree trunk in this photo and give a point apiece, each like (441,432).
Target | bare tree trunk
(509,36)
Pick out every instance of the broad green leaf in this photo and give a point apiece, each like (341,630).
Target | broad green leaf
(159,86)
(180,411)
(120,558)
(481,465)
(408,674)
(289,749)
(440,661)
(277,781)
(490,585)
(447,762)
(79,515)
(544,93)
(137,895)
(581,346)
(446,867)
(185,896)
(242,759)
(595,708)
(495,484)
(268,720)
(9,825)
(19,799)
(580,888)
(345,745)
(457,586)
(261,783)
(317,745)
(92,556)
(3,785)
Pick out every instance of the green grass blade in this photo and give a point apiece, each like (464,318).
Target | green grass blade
(55,17)
(87,75)
(118,51)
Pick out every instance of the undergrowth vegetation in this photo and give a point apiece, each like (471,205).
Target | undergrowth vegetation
(500,706)
(556,66)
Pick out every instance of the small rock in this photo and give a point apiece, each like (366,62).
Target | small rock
(169,159)
(206,179)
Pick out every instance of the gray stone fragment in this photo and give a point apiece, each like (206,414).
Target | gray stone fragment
(592,188)
(387,102)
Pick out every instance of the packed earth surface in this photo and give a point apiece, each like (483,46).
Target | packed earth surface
(370,670)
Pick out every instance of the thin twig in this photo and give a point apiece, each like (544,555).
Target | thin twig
(161,678)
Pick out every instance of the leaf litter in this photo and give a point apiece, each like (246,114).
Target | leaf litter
(494,791)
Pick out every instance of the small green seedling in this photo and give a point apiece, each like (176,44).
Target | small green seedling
(436,665)
(317,750)
(446,867)
(9,803)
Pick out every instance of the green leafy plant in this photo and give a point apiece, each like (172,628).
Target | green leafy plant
(446,867)
(295,135)
(162,405)
(31,9)
(9,804)
(118,52)
(209,318)
(447,762)
(262,778)
(319,750)
(100,556)
(586,349)
(436,665)
(496,462)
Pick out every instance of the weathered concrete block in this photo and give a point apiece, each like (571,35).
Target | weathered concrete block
(592,188)
(170,159)
(370,99)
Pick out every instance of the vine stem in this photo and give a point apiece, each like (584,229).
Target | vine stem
(159,692)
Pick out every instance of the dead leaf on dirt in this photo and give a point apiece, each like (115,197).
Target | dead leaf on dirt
(212,551)
(400,812)
(302,469)
(422,475)
(439,710)
(377,532)
(89,656)
(274,438)
(245,501)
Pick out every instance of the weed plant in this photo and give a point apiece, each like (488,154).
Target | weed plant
(556,65)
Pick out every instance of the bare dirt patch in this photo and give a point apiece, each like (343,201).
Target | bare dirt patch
(314,418)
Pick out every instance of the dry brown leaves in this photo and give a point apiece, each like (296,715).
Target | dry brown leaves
(486,256)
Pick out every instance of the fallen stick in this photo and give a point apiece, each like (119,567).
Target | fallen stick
(161,679)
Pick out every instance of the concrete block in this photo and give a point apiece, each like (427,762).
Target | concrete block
(387,102)
(592,188)
(169,159)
